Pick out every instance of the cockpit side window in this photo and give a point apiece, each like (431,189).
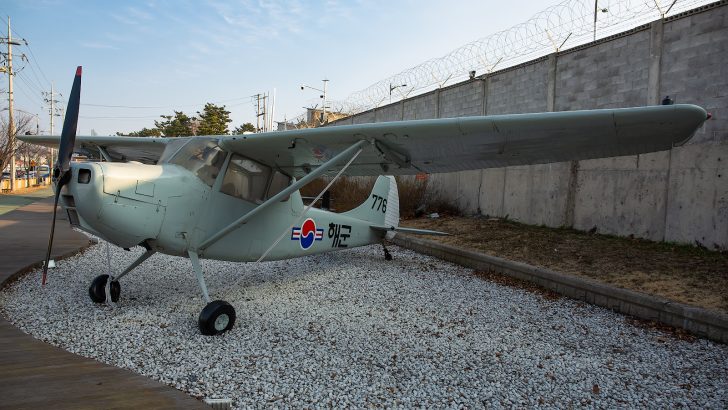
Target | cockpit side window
(172,147)
(278,183)
(246,179)
(202,157)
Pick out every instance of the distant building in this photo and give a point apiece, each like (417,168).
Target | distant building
(313,118)
(285,126)
(316,116)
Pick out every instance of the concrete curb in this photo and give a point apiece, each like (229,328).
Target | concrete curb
(701,322)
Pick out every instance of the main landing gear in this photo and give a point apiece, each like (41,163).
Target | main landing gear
(387,255)
(100,287)
(97,290)
(218,316)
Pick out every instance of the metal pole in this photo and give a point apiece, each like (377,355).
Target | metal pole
(265,112)
(257,114)
(11,125)
(595,19)
(324,108)
(53,113)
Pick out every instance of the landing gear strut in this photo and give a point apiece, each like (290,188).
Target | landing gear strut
(218,316)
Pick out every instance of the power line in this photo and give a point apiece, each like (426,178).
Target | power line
(25,93)
(32,55)
(216,102)
(29,82)
(116,117)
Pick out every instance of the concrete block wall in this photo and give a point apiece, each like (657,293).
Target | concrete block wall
(519,90)
(364,118)
(392,112)
(462,101)
(679,195)
(612,74)
(694,68)
(421,107)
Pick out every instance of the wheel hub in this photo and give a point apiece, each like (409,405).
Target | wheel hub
(221,322)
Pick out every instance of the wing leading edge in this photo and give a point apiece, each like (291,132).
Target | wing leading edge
(441,145)
(143,149)
(457,144)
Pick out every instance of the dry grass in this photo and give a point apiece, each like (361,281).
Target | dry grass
(346,194)
(349,192)
(682,273)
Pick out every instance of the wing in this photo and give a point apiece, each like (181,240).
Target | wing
(143,149)
(456,144)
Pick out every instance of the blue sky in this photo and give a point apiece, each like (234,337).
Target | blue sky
(176,54)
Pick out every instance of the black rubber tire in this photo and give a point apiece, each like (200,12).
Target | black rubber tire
(97,290)
(212,320)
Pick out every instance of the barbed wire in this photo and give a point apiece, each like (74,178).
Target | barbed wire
(565,25)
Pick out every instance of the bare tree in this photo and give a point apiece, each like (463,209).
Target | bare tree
(23,124)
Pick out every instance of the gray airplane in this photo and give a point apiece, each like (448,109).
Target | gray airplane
(236,197)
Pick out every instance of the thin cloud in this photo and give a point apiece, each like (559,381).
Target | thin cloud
(139,14)
(123,18)
(97,45)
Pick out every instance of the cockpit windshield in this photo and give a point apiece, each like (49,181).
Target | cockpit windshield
(202,157)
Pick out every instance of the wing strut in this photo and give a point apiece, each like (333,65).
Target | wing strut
(339,158)
(308,208)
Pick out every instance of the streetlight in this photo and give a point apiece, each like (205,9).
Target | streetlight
(392,88)
(323,96)
(596,10)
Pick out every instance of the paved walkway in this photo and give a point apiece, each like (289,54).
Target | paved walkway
(34,374)
(23,197)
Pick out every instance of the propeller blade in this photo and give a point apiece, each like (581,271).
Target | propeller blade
(61,174)
(68,134)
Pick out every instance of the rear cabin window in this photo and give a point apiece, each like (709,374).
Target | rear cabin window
(202,157)
(246,179)
(252,181)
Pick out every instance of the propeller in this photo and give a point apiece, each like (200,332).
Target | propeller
(62,169)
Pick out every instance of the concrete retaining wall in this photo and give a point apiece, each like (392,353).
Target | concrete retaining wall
(698,321)
(679,195)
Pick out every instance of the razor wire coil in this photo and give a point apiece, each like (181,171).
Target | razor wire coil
(559,27)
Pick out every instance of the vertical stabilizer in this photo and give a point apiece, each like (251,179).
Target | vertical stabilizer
(381,208)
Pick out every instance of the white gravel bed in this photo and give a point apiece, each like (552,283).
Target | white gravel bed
(351,329)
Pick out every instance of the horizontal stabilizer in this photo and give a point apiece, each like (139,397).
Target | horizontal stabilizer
(408,230)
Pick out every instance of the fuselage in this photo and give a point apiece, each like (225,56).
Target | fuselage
(193,193)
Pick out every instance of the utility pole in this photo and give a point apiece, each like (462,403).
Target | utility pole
(264,114)
(260,111)
(323,116)
(50,98)
(11,121)
(257,113)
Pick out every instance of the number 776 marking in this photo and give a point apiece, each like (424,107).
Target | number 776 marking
(379,202)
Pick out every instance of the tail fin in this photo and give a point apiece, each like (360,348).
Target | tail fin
(382,206)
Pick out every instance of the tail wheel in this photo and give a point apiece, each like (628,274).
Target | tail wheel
(97,290)
(216,318)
